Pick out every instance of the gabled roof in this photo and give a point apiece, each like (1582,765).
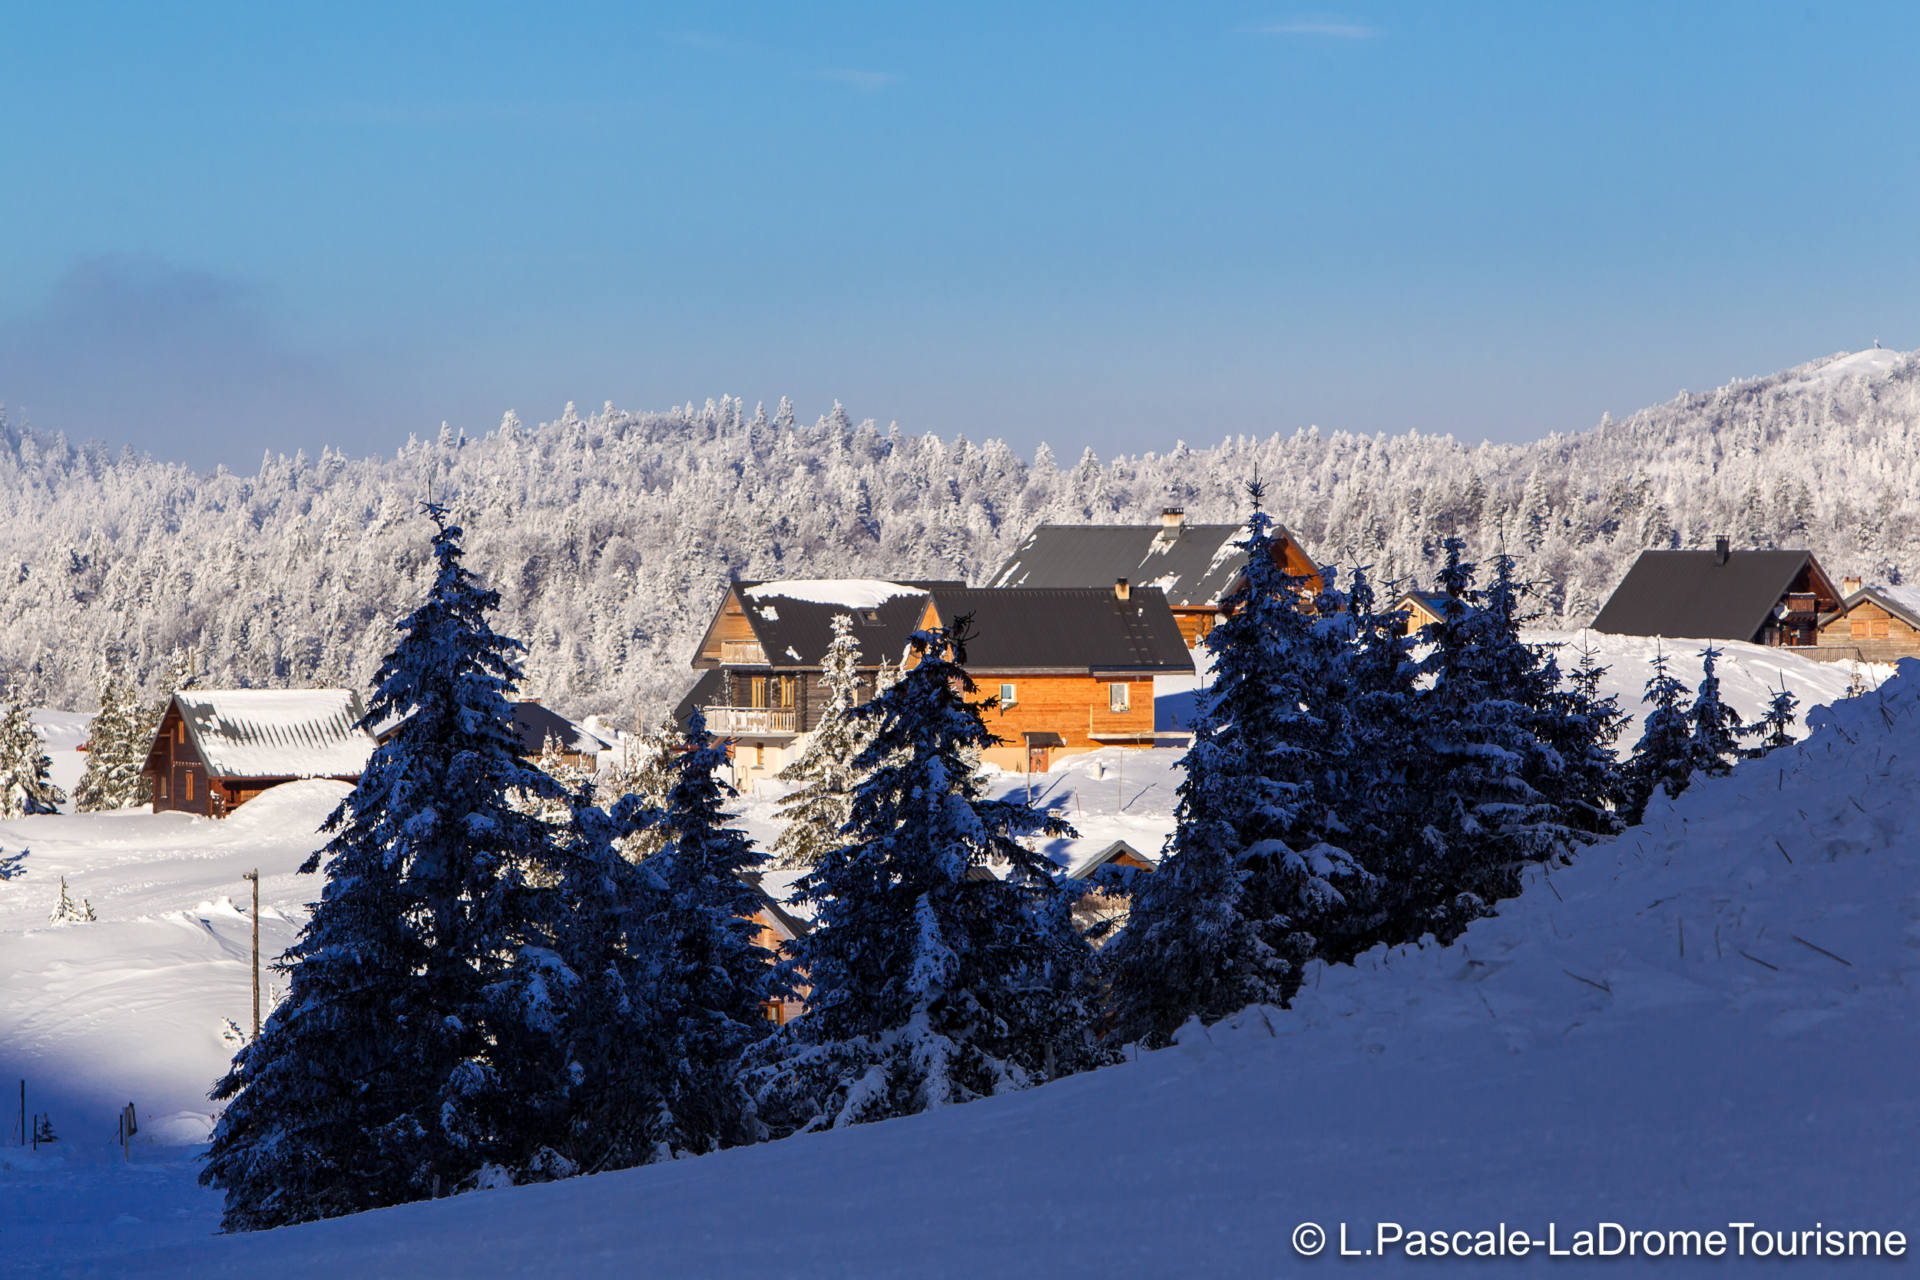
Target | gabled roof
(1196,565)
(1695,594)
(275,733)
(535,723)
(1067,629)
(793,621)
(532,723)
(1084,864)
(1902,602)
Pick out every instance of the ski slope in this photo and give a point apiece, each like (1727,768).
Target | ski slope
(1708,1020)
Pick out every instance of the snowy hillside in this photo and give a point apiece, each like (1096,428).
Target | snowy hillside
(1709,1020)
(611,535)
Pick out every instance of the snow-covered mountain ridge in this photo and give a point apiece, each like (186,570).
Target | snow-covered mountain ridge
(612,535)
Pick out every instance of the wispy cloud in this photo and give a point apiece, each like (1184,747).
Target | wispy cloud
(1326,28)
(864,81)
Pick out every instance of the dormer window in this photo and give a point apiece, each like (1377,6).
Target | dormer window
(869,617)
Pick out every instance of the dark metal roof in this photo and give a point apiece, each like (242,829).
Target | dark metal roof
(1067,629)
(534,723)
(1195,564)
(706,692)
(1692,594)
(796,633)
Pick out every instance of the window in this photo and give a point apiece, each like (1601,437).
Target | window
(1008,696)
(759,757)
(187,791)
(180,730)
(1117,697)
(163,786)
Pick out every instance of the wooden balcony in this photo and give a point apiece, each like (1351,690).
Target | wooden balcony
(742,653)
(752,722)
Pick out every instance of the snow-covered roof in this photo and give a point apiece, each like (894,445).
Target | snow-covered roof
(844,593)
(1196,565)
(276,733)
(1904,600)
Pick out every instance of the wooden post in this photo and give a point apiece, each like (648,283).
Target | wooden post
(254,875)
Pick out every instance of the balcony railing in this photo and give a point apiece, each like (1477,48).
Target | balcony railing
(743,653)
(752,722)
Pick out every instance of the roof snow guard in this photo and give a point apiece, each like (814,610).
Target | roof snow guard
(1196,565)
(276,733)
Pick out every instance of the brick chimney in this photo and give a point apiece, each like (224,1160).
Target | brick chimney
(1121,590)
(1172,517)
(1721,550)
(1849,585)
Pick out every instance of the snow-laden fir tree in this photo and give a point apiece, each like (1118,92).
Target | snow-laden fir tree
(816,812)
(1252,874)
(1586,782)
(117,744)
(1380,817)
(1774,728)
(714,980)
(419,1048)
(1483,746)
(69,911)
(1716,727)
(943,964)
(1662,759)
(645,772)
(26,772)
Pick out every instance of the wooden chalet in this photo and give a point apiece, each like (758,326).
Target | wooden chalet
(218,748)
(1072,668)
(1882,623)
(1197,566)
(1422,609)
(1774,598)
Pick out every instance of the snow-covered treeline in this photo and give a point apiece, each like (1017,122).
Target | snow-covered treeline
(621,528)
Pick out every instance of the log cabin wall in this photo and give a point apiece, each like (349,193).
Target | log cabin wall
(1076,708)
(180,782)
(1876,633)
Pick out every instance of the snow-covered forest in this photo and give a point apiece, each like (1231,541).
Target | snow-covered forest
(611,535)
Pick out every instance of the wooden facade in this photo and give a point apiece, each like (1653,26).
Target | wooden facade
(1880,629)
(1053,716)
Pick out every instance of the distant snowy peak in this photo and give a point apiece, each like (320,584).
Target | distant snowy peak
(1873,363)
(844,593)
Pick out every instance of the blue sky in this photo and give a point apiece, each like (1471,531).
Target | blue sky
(1108,224)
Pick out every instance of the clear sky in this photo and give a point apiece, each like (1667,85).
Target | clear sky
(225,228)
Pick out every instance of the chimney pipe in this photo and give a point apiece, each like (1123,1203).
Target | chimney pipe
(1721,550)
(1172,517)
(1122,591)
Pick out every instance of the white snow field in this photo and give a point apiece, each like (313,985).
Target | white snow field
(1705,1022)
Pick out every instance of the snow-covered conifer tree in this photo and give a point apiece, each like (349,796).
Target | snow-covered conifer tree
(1663,757)
(1774,728)
(714,979)
(943,965)
(424,984)
(1483,719)
(69,911)
(1252,874)
(1587,783)
(26,773)
(817,811)
(1716,727)
(117,746)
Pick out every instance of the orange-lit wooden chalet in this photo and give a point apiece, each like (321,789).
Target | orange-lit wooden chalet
(1072,668)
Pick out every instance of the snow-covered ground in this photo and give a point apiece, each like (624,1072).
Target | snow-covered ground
(1709,1020)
